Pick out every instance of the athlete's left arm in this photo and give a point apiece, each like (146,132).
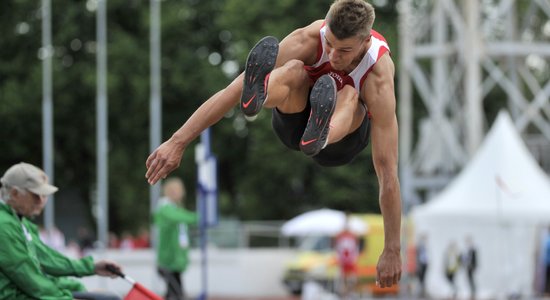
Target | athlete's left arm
(378,93)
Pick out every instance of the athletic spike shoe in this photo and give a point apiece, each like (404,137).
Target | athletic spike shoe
(323,101)
(260,62)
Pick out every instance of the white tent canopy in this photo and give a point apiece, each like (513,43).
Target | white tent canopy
(502,200)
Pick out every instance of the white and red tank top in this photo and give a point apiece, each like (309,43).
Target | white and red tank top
(357,77)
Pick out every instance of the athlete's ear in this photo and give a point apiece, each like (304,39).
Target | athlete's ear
(368,38)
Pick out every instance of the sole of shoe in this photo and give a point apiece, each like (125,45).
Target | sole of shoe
(259,63)
(323,102)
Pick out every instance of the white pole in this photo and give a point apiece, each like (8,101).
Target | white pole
(47,108)
(472,57)
(155,98)
(405,112)
(102,140)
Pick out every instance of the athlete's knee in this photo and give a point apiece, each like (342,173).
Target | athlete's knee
(289,73)
(294,71)
(348,96)
(348,93)
(294,65)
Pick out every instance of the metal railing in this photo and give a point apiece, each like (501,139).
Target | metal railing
(247,234)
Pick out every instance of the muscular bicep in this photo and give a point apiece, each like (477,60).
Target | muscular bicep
(379,95)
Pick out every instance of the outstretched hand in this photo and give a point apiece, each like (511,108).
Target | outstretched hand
(165,159)
(102,268)
(388,270)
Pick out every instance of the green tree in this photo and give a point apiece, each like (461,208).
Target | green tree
(204,46)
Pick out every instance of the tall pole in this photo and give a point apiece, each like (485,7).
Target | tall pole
(155,97)
(47,107)
(203,210)
(405,120)
(472,57)
(102,125)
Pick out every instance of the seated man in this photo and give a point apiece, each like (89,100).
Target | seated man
(28,268)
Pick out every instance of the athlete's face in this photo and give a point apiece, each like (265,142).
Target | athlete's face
(342,53)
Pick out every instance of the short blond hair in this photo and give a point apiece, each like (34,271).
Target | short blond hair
(174,185)
(350,18)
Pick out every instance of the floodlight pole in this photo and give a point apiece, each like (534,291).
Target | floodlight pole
(47,108)
(451,58)
(155,128)
(102,126)
(202,206)
(472,58)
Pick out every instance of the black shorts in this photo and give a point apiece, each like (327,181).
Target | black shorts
(290,128)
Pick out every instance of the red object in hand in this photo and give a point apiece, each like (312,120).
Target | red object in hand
(139,292)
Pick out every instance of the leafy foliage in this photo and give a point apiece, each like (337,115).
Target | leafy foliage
(258,177)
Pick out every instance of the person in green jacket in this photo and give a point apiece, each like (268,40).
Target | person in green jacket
(29,269)
(171,220)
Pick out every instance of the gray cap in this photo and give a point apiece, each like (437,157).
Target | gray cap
(27,176)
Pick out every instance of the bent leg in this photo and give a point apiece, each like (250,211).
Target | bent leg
(288,88)
(323,103)
(259,63)
(348,114)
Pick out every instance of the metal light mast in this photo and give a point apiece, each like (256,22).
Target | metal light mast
(456,56)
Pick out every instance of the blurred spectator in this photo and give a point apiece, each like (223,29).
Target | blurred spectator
(85,240)
(547,264)
(143,240)
(347,250)
(411,286)
(72,250)
(29,269)
(127,241)
(171,219)
(422,263)
(469,262)
(451,264)
(114,242)
(53,238)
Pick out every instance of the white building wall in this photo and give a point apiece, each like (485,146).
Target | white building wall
(231,272)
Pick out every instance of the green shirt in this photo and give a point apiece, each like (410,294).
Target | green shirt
(28,268)
(168,218)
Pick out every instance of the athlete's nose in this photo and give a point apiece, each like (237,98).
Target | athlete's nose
(331,55)
(334,55)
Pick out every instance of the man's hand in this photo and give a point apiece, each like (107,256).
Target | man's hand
(165,159)
(102,270)
(388,270)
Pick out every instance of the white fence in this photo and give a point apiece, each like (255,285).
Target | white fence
(231,272)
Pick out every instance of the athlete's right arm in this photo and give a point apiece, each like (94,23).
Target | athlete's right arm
(167,156)
(301,44)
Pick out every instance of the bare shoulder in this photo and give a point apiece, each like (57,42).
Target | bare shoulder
(384,69)
(301,44)
(378,89)
(313,29)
